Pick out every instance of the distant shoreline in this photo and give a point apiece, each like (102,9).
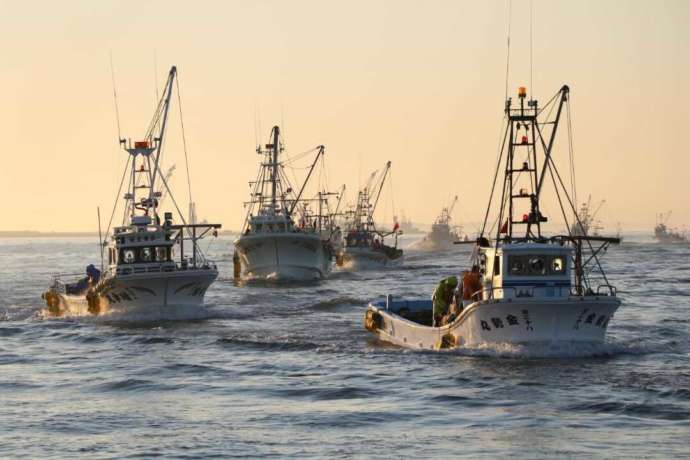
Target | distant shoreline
(37,234)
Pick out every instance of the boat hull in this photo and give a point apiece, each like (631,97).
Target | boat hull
(498,321)
(137,291)
(364,258)
(292,256)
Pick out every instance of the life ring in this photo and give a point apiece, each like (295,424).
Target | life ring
(372,321)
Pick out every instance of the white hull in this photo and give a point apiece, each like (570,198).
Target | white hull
(295,256)
(365,258)
(142,292)
(499,321)
(431,245)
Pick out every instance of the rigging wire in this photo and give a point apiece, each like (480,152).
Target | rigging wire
(571,153)
(117,109)
(184,143)
(117,197)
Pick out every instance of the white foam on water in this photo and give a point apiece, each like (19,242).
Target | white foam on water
(555,350)
(139,315)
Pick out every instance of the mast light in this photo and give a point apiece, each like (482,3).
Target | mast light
(141,144)
(522,91)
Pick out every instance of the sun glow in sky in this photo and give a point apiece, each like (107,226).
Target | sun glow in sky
(419,83)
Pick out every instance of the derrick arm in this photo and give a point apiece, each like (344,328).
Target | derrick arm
(547,149)
(383,180)
(161,133)
(311,169)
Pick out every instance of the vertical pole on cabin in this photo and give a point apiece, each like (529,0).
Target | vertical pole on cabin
(194,245)
(100,238)
(181,234)
(578,267)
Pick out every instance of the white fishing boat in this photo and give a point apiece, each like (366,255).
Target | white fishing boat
(148,267)
(587,222)
(364,245)
(442,235)
(665,235)
(273,245)
(530,288)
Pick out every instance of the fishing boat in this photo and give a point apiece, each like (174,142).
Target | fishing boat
(282,239)
(587,222)
(442,235)
(364,243)
(406,225)
(530,287)
(149,265)
(665,235)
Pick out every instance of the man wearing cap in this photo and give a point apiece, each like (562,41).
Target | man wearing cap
(442,298)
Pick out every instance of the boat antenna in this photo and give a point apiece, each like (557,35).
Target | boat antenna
(531,67)
(509,8)
(117,109)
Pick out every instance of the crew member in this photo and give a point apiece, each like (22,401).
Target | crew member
(471,284)
(93,274)
(442,298)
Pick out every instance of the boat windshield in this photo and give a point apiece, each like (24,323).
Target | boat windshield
(536,265)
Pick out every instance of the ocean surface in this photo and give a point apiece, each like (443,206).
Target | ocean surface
(289,371)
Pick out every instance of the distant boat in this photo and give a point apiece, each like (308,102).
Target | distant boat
(666,235)
(282,239)
(149,262)
(364,244)
(442,234)
(586,222)
(406,225)
(524,287)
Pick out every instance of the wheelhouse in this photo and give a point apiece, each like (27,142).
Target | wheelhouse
(526,270)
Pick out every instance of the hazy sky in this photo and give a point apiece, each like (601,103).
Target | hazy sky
(418,82)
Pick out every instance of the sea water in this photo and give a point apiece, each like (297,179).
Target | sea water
(284,371)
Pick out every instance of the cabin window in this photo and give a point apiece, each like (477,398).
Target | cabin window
(497,266)
(161,254)
(537,265)
(517,265)
(557,265)
(146,254)
(128,256)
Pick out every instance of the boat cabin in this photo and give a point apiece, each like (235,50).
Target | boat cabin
(140,247)
(269,223)
(526,270)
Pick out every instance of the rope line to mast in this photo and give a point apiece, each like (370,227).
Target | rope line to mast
(117,109)
(117,197)
(184,143)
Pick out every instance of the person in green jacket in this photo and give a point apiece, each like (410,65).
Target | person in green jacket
(443,297)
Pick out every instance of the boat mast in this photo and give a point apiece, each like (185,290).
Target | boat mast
(146,148)
(274,166)
(164,123)
(524,133)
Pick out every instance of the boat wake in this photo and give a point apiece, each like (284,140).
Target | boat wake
(141,315)
(555,350)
